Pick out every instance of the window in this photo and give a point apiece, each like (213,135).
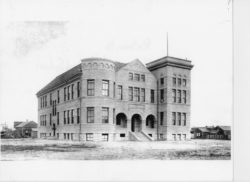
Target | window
(105,87)
(119,92)
(45,100)
(184,97)
(68,92)
(50,98)
(143,94)
(184,81)
(57,135)
(174,81)
(162,81)
(130,76)
(45,122)
(137,94)
(184,136)
(90,87)
(174,136)
(174,118)
(68,117)
(78,89)
(130,93)
(41,102)
(89,136)
(174,95)
(64,136)
(152,96)
(179,81)
(53,109)
(90,114)
(50,119)
(105,115)
(58,96)
(179,96)
(113,115)
(64,94)
(150,135)
(184,119)
(122,135)
(161,118)
(114,90)
(179,118)
(162,95)
(64,117)
(78,115)
(161,136)
(137,77)
(72,115)
(143,78)
(57,118)
(105,137)
(72,91)
(72,136)
(179,136)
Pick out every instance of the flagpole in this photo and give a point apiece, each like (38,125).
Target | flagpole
(167,43)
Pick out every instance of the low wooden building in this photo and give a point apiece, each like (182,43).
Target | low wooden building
(211,132)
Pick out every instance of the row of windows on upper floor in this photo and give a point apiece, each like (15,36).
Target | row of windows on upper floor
(136,77)
(178,96)
(134,93)
(139,93)
(175,81)
(68,95)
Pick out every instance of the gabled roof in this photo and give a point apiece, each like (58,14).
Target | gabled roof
(27,124)
(69,75)
(225,128)
(61,79)
(119,65)
(203,129)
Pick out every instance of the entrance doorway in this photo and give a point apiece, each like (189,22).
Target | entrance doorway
(136,122)
(54,129)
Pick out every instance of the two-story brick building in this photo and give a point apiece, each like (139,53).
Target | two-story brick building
(104,100)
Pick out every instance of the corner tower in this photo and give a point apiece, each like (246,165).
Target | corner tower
(97,104)
(173,96)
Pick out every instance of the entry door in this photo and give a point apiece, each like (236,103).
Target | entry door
(54,129)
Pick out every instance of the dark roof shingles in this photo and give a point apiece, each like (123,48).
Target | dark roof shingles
(62,78)
(66,76)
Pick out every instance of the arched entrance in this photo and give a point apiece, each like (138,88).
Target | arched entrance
(121,120)
(150,121)
(136,123)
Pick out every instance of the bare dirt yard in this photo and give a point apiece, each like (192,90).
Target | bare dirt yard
(37,149)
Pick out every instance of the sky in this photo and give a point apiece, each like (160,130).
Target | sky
(42,39)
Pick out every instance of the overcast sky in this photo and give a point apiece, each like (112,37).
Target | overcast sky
(41,39)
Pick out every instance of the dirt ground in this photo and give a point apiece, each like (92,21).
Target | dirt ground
(37,149)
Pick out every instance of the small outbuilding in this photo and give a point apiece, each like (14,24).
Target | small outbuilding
(24,129)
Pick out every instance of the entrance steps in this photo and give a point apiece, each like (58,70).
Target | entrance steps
(139,136)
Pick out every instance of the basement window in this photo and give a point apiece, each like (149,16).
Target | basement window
(122,135)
